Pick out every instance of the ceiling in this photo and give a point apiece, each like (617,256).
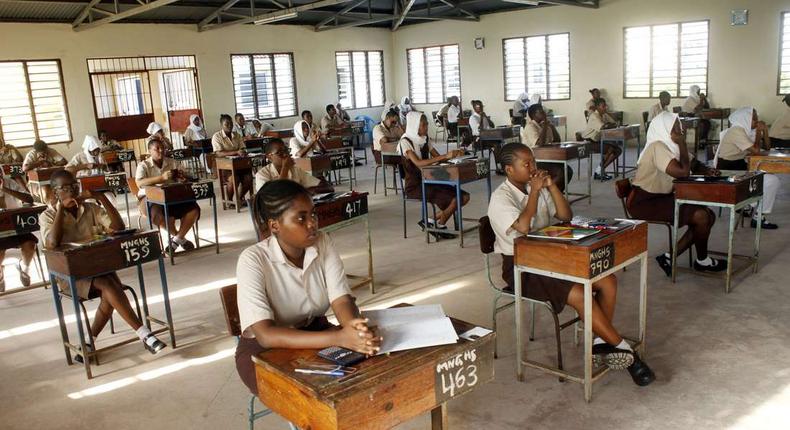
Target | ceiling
(216,14)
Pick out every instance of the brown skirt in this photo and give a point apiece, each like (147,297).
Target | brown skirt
(538,287)
(176,211)
(84,286)
(12,242)
(438,194)
(658,207)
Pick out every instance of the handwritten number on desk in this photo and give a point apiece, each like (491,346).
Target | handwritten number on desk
(201,190)
(126,156)
(482,168)
(15,170)
(25,222)
(353,209)
(135,250)
(582,150)
(601,259)
(340,161)
(115,182)
(456,374)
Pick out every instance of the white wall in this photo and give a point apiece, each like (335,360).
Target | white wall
(314,60)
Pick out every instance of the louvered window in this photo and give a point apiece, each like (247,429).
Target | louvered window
(434,73)
(264,85)
(538,65)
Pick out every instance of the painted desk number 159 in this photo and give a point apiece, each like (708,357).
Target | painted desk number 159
(458,372)
(136,249)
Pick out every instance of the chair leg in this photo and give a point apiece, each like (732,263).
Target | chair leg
(88,332)
(559,341)
(383,179)
(404,218)
(112,323)
(251,413)
(493,320)
(375,180)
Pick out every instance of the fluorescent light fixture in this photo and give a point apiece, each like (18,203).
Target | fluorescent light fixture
(527,2)
(276,18)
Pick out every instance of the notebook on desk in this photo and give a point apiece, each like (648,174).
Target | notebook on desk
(461,159)
(563,232)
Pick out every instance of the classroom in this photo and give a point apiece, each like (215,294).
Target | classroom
(411,214)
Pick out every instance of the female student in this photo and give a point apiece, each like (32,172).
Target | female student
(747,135)
(8,153)
(694,104)
(404,108)
(107,143)
(388,131)
(89,161)
(780,129)
(479,121)
(529,200)
(664,158)
(42,156)
(156,132)
(71,218)
(12,196)
(306,140)
(307,116)
(195,130)
(417,152)
(242,127)
(261,127)
(598,120)
(388,106)
(595,93)
(281,166)
(520,107)
(344,116)
(228,143)
(540,131)
(662,105)
(288,281)
(331,120)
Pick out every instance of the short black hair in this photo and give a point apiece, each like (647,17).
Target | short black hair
(476,102)
(391,113)
(267,149)
(594,90)
(224,117)
(507,155)
(599,101)
(533,109)
(65,174)
(276,197)
(305,112)
(154,141)
(664,93)
(238,114)
(329,107)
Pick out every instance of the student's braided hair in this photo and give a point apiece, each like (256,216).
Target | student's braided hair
(276,197)
(507,155)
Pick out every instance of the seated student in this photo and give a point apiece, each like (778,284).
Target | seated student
(388,131)
(540,131)
(195,130)
(308,117)
(288,281)
(107,143)
(242,127)
(41,156)
(529,200)
(442,113)
(520,107)
(453,113)
(228,143)
(72,219)
(388,106)
(306,140)
(780,129)
(281,166)
(89,161)
(261,127)
(599,120)
(478,121)
(331,120)
(10,155)
(12,196)
(158,169)
(747,135)
(404,108)
(664,158)
(417,152)
(341,113)
(662,106)
(693,105)
(589,107)
(156,132)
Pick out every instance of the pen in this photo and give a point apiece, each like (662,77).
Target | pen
(321,372)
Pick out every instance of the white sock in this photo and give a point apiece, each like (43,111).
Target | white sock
(598,170)
(24,267)
(598,341)
(143,332)
(624,345)
(706,262)
(668,255)
(179,240)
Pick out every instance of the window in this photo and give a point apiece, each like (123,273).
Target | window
(784,56)
(264,85)
(538,64)
(434,73)
(669,57)
(33,103)
(360,78)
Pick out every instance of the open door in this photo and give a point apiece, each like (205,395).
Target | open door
(181,99)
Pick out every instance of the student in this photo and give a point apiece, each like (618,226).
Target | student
(72,219)
(747,135)
(158,169)
(453,113)
(417,152)
(780,129)
(388,131)
(195,130)
(307,116)
(242,127)
(107,143)
(156,132)
(281,166)
(261,127)
(306,141)
(540,131)
(12,196)
(441,115)
(694,104)
(404,108)
(344,116)
(42,156)
(479,120)
(288,281)
(662,105)
(228,143)
(664,158)
(8,153)
(520,107)
(590,105)
(89,161)
(529,200)
(331,120)
(388,106)
(599,120)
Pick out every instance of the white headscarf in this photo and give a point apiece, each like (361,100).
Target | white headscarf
(523,97)
(199,130)
(535,99)
(694,93)
(404,107)
(660,130)
(90,143)
(740,118)
(412,130)
(153,128)
(390,105)
(298,133)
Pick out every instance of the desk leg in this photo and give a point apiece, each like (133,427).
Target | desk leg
(565,178)
(80,329)
(458,211)
(128,214)
(589,176)
(64,333)
(603,157)
(222,190)
(675,241)
(216,228)
(235,185)
(488,186)
(352,172)
(587,341)
(730,234)
(169,237)
(424,213)
(439,419)
(643,302)
(166,300)
(519,326)
(370,256)
(143,296)
(757,234)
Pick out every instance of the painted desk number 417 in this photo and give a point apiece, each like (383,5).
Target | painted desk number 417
(353,209)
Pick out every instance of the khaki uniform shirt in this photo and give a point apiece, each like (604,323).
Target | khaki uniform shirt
(221,142)
(651,170)
(149,169)
(270,173)
(735,144)
(505,207)
(380,132)
(91,220)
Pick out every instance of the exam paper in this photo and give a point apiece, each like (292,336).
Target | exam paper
(412,327)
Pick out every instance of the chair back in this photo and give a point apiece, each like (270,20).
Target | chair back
(677,109)
(376,156)
(644,119)
(623,189)
(579,137)
(487,236)
(230,306)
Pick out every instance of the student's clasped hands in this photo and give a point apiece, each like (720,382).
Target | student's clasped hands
(357,336)
(540,179)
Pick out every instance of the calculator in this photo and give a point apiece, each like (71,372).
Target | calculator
(341,356)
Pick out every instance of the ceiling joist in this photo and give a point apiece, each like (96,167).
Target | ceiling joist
(79,24)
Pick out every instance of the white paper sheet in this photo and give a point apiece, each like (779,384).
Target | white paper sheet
(406,314)
(417,334)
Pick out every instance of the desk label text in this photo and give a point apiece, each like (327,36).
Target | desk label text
(355,208)
(340,161)
(125,155)
(139,250)
(26,222)
(202,190)
(462,372)
(601,259)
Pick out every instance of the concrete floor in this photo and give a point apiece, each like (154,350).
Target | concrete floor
(720,360)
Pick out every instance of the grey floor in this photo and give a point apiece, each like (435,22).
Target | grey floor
(721,360)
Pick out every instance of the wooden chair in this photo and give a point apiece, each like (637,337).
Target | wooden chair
(382,161)
(645,121)
(677,109)
(405,199)
(441,127)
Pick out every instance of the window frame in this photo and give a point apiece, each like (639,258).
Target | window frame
(782,16)
(408,72)
(678,23)
(274,83)
(367,77)
(32,106)
(548,80)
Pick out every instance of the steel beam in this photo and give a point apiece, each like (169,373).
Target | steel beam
(125,14)
(287,11)
(404,12)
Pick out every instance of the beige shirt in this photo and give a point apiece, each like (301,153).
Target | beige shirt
(81,158)
(651,170)
(91,220)
(780,129)
(9,154)
(191,136)
(735,144)
(505,207)
(269,173)
(405,145)
(589,106)
(328,123)
(476,123)
(380,132)
(51,156)
(689,106)
(149,169)
(655,110)
(295,146)
(221,142)
(595,123)
(270,287)
(7,201)
(531,132)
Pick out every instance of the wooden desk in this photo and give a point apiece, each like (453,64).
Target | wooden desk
(317,165)
(13,170)
(70,263)
(120,156)
(19,221)
(561,153)
(339,160)
(41,175)
(284,133)
(619,136)
(560,121)
(390,156)
(256,145)
(494,138)
(386,390)
(773,161)
(454,175)
(203,148)
(731,192)
(584,262)
(182,192)
(345,211)
(237,166)
(115,183)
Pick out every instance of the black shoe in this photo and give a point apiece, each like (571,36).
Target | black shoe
(640,372)
(665,263)
(612,357)
(605,177)
(155,346)
(766,225)
(78,358)
(717,266)
(187,246)
(171,248)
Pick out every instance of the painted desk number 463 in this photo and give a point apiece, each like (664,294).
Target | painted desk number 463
(458,372)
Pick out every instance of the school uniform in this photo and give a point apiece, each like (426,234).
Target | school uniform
(507,203)
(381,132)
(110,145)
(148,169)
(530,134)
(191,135)
(299,141)
(329,123)
(82,158)
(780,129)
(52,156)
(7,201)
(453,112)
(269,173)
(220,142)
(9,155)
(477,123)
(271,288)
(247,130)
(655,110)
(166,143)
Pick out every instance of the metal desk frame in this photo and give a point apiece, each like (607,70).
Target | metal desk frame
(362,280)
(564,163)
(621,142)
